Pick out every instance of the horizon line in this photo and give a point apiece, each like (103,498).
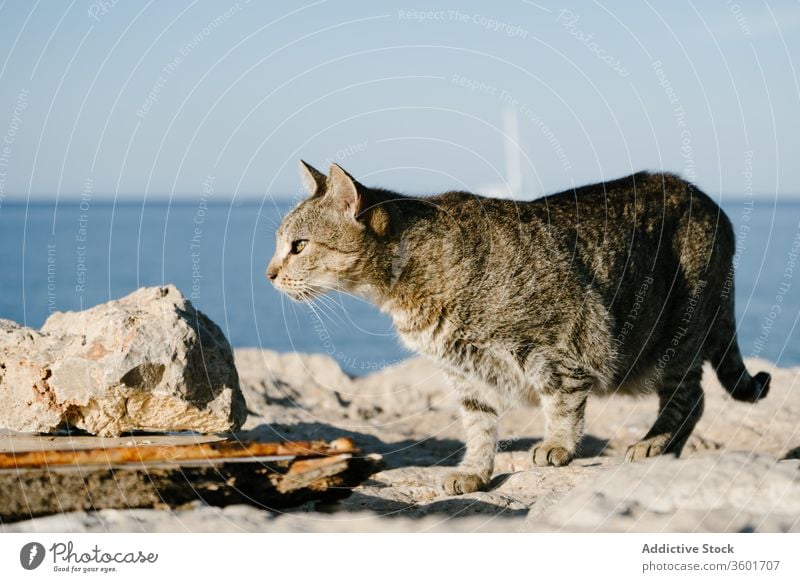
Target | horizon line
(225,198)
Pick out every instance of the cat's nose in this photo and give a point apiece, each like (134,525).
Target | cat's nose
(272,272)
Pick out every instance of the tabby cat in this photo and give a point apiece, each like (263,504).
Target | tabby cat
(619,287)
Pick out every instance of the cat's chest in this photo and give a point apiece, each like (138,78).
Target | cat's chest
(423,331)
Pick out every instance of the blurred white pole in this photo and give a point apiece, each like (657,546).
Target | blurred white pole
(511,147)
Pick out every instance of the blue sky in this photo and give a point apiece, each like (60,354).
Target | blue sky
(162,98)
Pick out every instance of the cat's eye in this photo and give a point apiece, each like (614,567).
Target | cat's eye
(298,246)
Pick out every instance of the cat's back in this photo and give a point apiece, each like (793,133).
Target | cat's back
(636,197)
(604,222)
(608,235)
(640,214)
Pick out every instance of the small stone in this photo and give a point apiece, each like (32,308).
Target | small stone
(147,362)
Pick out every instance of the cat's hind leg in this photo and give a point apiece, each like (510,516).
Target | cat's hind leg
(480,421)
(680,399)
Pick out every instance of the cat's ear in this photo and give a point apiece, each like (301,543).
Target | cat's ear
(345,191)
(356,201)
(313,180)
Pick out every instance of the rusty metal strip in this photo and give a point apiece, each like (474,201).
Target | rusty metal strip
(174,453)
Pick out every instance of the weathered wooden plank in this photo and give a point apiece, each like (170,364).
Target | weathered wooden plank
(271,478)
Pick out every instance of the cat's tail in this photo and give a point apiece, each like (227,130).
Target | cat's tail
(737,380)
(722,345)
(727,360)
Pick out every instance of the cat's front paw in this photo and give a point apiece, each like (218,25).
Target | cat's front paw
(550,454)
(459,483)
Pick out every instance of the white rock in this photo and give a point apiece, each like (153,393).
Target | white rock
(669,494)
(148,361)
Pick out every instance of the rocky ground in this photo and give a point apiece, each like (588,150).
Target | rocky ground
(740,471)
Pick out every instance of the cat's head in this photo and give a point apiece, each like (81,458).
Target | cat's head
(332,240)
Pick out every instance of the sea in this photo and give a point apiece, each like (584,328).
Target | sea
(67,256)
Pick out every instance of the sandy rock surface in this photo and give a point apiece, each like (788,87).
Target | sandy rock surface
(739,472)
(148,361)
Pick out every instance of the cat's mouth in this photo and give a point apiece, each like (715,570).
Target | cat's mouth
(300,290)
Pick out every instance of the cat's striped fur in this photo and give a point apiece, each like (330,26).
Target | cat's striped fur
(623,286)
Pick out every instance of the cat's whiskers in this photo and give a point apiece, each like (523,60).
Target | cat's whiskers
(340,304)
(313,296)
(316,313)
(327,310)
(293,305)
(342,290)
(332,304)
(320,294)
